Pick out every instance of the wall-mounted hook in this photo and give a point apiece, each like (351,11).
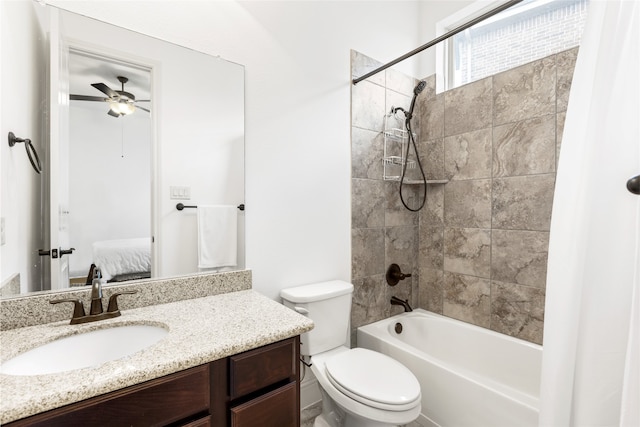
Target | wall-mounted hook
(31,151)
(394,275)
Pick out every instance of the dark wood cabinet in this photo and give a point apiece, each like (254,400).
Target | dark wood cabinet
(274,409)
(257,388)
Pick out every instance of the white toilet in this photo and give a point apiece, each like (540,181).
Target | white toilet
(359,387)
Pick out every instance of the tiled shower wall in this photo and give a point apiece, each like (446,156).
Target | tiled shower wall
(382,230)
(481,241)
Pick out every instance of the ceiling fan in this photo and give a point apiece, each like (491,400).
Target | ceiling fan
(120,102)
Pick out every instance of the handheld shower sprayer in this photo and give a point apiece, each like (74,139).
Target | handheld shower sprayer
(407,122)
(416,91)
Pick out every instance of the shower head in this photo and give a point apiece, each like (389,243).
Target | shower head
(419,87)
(416,91)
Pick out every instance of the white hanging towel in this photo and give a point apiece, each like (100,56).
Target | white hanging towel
(217,236)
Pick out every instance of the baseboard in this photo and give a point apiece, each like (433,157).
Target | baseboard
(309,393)
(425,421)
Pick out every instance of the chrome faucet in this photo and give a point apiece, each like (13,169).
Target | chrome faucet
(95,312)
(403,303)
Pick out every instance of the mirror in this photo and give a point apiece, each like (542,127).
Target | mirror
(111,181)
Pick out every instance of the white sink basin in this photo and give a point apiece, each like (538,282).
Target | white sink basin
(84,350)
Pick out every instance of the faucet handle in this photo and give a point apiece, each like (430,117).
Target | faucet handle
(394,275)
(78,308)
(113,300)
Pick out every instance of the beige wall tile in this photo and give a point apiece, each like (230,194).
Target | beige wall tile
(431,289)
(401,247)
(468,107)
(433,211)
(396,214)
(467,298)
(362,64)
(525,147)
(431,252)
(366,153)
(432,158)
(467,251)
(430,115)
(517,311)
(468,203)
(367,204)
(524,92)
(367,106)
(523,202)
(520,257)
(367,252)
(468,155)
(369,302)
(399,82)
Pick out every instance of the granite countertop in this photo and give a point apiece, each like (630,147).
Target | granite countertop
(200,331)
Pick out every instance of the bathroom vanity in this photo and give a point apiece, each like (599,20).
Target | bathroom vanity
(243,390)
(227,360)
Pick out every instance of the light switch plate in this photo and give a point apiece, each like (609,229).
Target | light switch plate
(179,192)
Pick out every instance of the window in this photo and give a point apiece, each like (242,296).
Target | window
(527,31)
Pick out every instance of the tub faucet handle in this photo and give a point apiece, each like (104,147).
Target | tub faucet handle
(394,275)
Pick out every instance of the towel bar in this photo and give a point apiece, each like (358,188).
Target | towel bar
(180,206)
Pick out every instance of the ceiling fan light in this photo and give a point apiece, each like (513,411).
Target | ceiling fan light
(122,107)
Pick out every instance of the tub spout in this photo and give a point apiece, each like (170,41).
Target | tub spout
(403,303)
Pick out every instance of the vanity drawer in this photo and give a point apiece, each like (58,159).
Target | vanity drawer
(157,402)
(275,409)
(262,367)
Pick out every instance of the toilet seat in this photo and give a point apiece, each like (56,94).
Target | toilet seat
(373,379)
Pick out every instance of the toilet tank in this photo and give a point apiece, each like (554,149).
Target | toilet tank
(328,304)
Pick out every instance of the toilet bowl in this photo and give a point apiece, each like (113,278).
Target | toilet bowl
(360,387)
(364,388)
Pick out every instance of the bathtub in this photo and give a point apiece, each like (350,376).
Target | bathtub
(470,376)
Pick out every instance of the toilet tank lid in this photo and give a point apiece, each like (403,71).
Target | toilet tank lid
(316,291)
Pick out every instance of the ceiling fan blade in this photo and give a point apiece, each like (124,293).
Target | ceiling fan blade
(87,98)
(105,89)
(111,113)
(143,109)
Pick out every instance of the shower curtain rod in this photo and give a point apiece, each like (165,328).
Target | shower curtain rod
(437,40)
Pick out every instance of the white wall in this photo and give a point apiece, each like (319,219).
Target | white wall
(297,56)
(21,88)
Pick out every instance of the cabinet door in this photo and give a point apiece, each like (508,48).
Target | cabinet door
(262,367)
(154,403)
(275,409)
